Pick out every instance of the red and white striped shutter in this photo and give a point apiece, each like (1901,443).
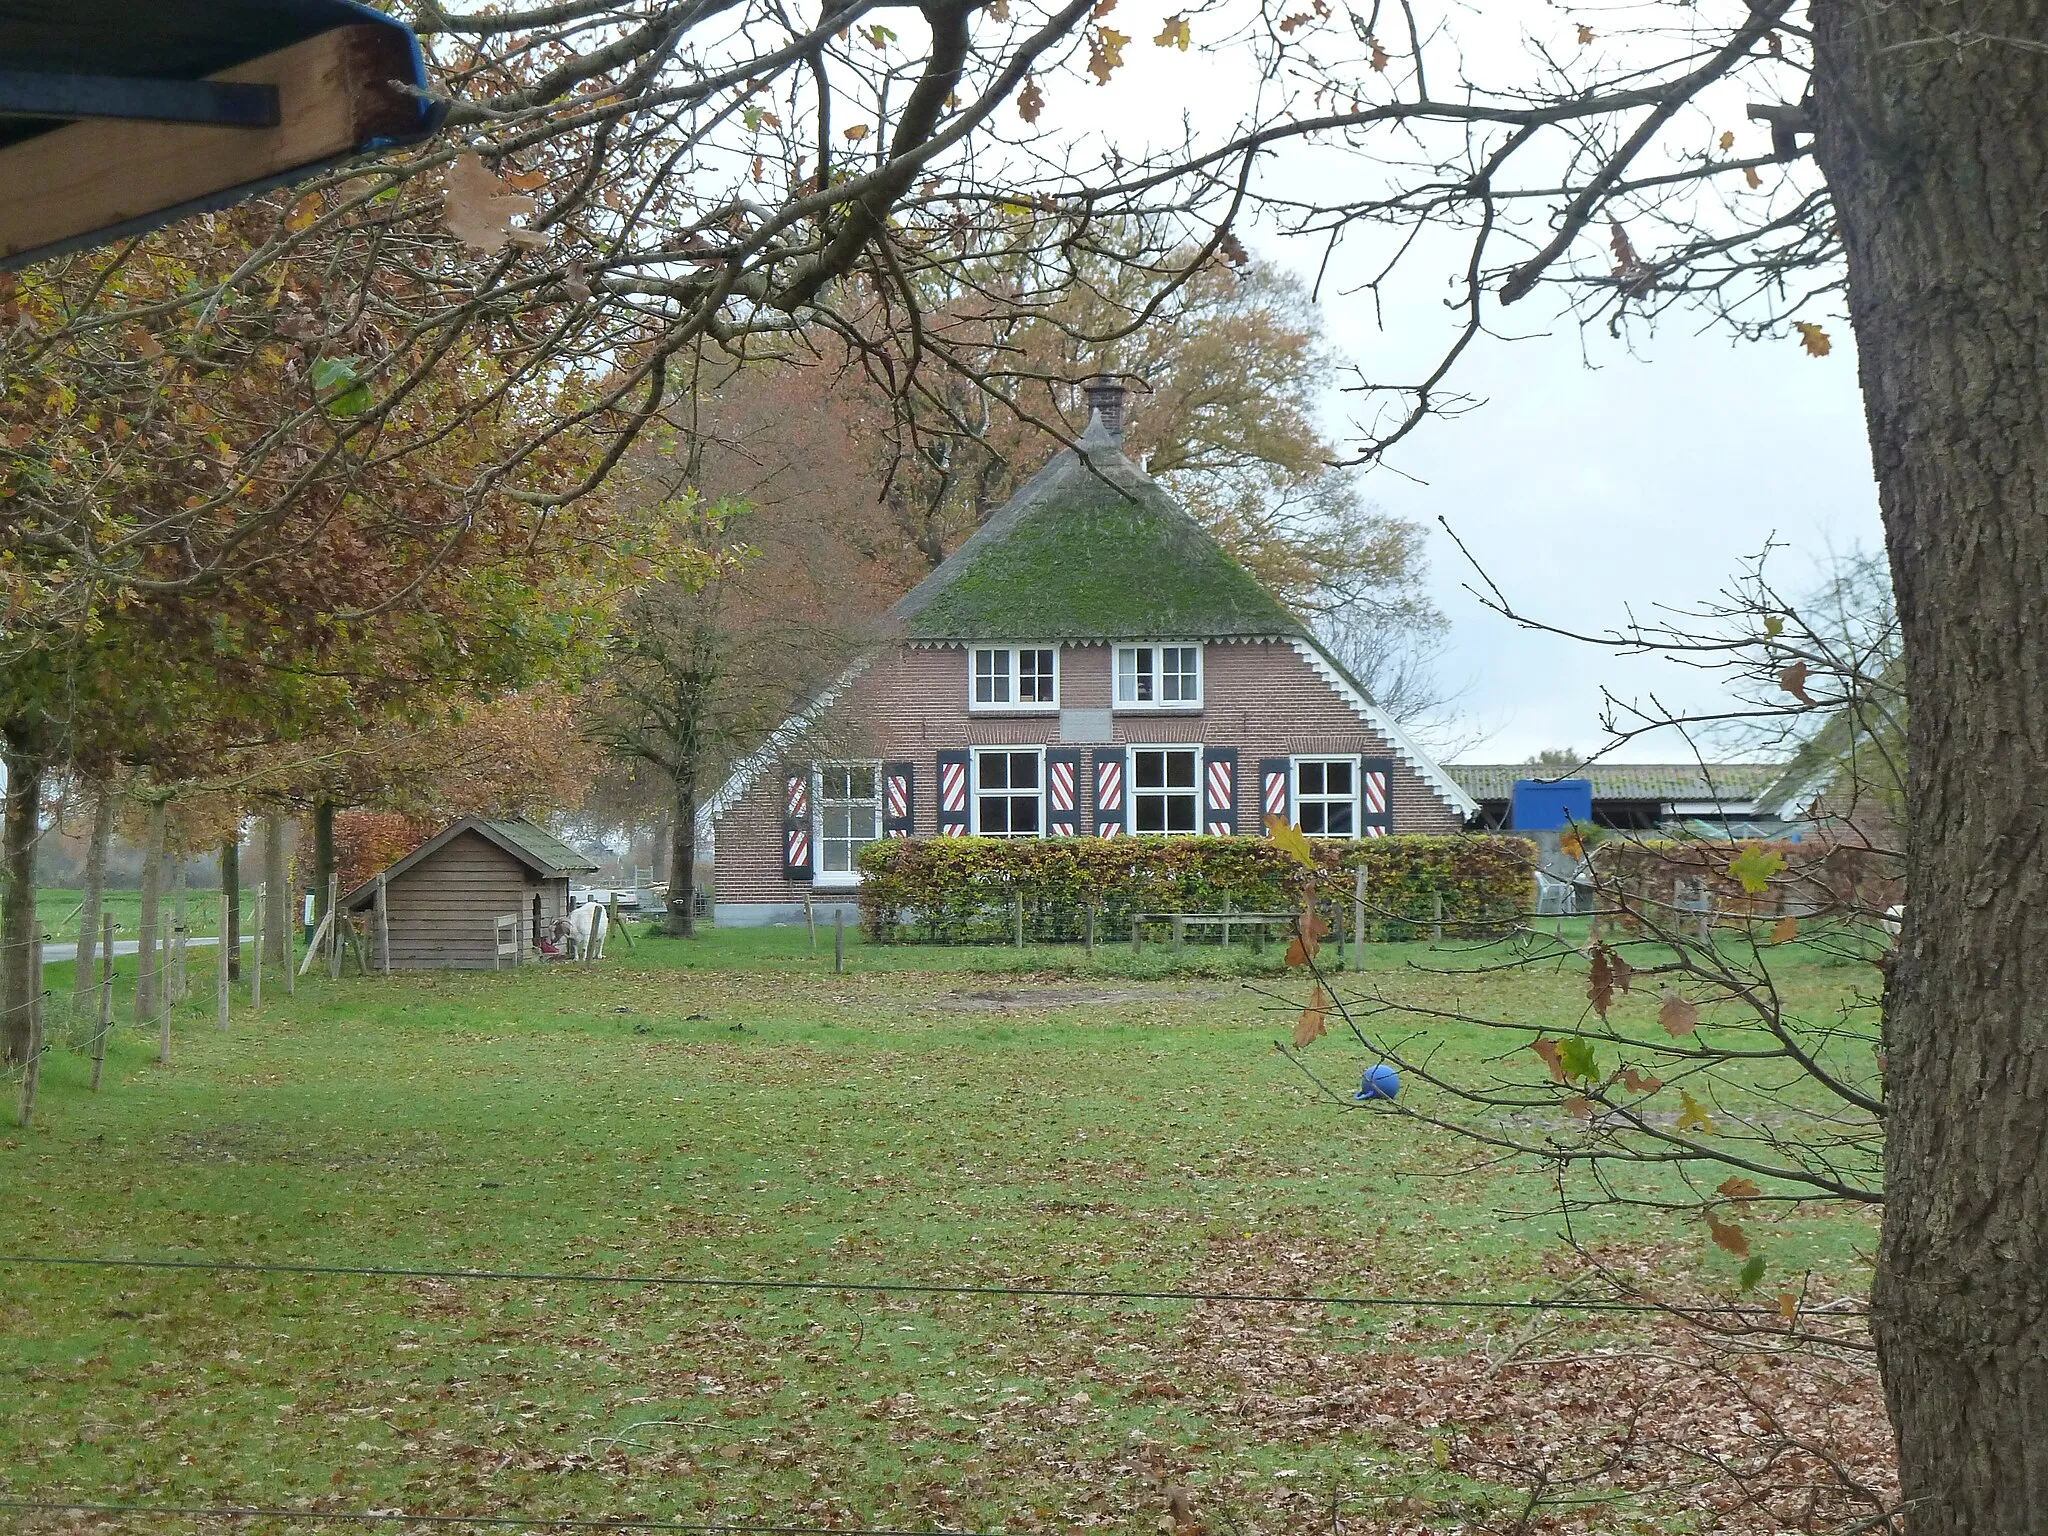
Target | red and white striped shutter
(1062,792)
(1376,796)
(1109,791)
(1219,772)
(796,823)
(899,817)
(1276,780)
(953,814)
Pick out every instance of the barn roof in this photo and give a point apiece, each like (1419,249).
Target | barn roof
(1734,782)
(1092,549)
(540,851)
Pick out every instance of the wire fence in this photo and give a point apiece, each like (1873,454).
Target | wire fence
(854,1285)
(530,1522)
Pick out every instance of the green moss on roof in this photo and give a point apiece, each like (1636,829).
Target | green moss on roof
(1082,555)
(550,851)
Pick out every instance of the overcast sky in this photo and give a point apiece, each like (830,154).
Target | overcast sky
(1596,474)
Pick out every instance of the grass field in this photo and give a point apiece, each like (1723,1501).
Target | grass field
(732,1108)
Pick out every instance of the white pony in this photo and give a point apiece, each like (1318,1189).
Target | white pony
(586,932)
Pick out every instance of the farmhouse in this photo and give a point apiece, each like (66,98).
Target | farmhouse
(1090,663)
(443,900)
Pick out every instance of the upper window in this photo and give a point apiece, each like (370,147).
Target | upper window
(1326,796)
(1014,677)
(848,797)
(1166,794)
(1009,793)
(1159,677)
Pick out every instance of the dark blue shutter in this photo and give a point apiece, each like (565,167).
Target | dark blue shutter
(954,792)
(1276,789)
(1062,792)
(1376,796)
(899,808)
(1111,789)
(796,823)
(1219,774)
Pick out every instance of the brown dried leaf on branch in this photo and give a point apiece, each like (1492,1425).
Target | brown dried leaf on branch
(1314,1022)
(1308,933)
(1379,58)
(1793,680)
(478,208)
(1811,336)
(1174,34)
(1640,1082)
(1785,929)
(1728,1237)
(1030,101)
(1105,53)
(1738,1189)
(1601,979)
(1549,1053)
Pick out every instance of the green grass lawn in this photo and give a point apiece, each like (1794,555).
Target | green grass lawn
(733,1108)
(57,910)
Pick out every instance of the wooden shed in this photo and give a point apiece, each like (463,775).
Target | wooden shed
(444,899)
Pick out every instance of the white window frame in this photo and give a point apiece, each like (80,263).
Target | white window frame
(974,757)
(1156,706)
(1013,706)
(842,878)
(1201,790)
(1294,796)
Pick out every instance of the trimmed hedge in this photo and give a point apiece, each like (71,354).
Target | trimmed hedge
(1816,877)
(961,889)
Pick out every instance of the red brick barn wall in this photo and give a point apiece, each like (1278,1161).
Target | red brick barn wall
(1260,697)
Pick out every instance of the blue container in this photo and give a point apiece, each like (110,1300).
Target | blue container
(1381,1082)
(1549,805)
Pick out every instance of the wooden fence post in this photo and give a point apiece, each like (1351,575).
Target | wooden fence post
(32,1070)
(616,925)
(1017,919)
(176,984)
(1137,929)
(839,939)
(811,921)
(221,973)
(1436,918)
(1088,924)
(1180,932)
(334,927)
(256,961)
(1358,918)
(106,1009)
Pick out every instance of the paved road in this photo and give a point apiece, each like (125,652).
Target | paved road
(55,952)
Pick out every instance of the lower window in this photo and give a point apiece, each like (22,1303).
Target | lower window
(849,800)
(1166,790)
(1326,796)
(1009,794)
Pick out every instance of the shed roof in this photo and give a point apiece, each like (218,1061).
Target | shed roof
(539,850)
(1738,783)
(1091,548)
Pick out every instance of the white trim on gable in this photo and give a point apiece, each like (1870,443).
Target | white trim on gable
(1404,746)
(770,752)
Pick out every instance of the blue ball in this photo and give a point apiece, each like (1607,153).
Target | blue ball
(1381,1082)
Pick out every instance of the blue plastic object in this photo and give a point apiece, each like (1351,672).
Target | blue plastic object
(1381,1082)
(1549,805)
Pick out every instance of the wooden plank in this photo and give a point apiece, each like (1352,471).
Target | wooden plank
(101,177)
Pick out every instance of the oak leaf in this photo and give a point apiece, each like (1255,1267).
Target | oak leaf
(1793,680)
(1738,1188)
(1680,1016)
(1785,929)
(1378,58)
(1728,1237)
(1691,1116)
(1579,1107)
(1751,1274)
(1727,139)
(1813,338)
(1585,34)
(999,10)
(1640,1082)
(1750,176)
(1314,1022)
(1551,1056)
(1290,840)
(1600,980)
(855,133)
(1788,1305)
(1575,1056)
(1102,9)
(1174,34)
(1030,101)
(477,208)
(1299,19)
(1105,53)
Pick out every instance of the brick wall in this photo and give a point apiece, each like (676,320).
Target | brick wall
(1260,697)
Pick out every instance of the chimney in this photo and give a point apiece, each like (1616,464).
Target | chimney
(1105,396)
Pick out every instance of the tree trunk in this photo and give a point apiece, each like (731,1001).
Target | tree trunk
(231,887)
(1931,129)
(682,863)
(277,891)
(19,982)
(147,926)
(85,984)
(657,856)
(323,854)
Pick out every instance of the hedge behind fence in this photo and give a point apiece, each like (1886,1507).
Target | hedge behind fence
(961,889)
